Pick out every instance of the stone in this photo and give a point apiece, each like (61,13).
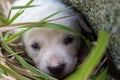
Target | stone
(103,14)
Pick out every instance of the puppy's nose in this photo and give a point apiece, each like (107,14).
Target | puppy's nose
(56,69)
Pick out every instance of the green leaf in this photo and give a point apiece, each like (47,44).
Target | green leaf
(86,68)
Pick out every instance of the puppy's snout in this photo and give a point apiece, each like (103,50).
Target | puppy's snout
(55,70)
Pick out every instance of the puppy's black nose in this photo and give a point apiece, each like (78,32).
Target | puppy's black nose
(56,69)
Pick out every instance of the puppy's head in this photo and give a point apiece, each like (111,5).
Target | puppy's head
(53,51)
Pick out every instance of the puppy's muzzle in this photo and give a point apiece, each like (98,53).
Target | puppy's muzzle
(56,70)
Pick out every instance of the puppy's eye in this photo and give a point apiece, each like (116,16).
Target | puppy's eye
(35,46)
(68,40)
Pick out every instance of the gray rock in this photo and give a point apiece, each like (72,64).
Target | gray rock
(103,14)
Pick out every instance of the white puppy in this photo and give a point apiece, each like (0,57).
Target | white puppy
(53,51)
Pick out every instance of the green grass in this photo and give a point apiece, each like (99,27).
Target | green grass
(83,72)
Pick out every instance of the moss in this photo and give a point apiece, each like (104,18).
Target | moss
(103,14)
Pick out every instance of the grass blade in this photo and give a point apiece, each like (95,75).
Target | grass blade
(2,71)
(18,13)
(13,37)
(51,15)
(19,7)
(48,25)
(29,2)
(15,17)
(23,72)
(103,75)
(14,74)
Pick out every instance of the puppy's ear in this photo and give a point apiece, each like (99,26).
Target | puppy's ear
(89,33)
(84,24)
(83,52)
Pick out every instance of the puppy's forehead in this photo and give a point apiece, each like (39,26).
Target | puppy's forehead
(48,32)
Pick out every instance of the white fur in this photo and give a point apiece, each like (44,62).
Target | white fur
(53,50)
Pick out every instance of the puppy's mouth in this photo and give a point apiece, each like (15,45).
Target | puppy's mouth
(61,76)
(58,76)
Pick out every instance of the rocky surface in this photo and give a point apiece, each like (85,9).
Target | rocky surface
(103,14)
